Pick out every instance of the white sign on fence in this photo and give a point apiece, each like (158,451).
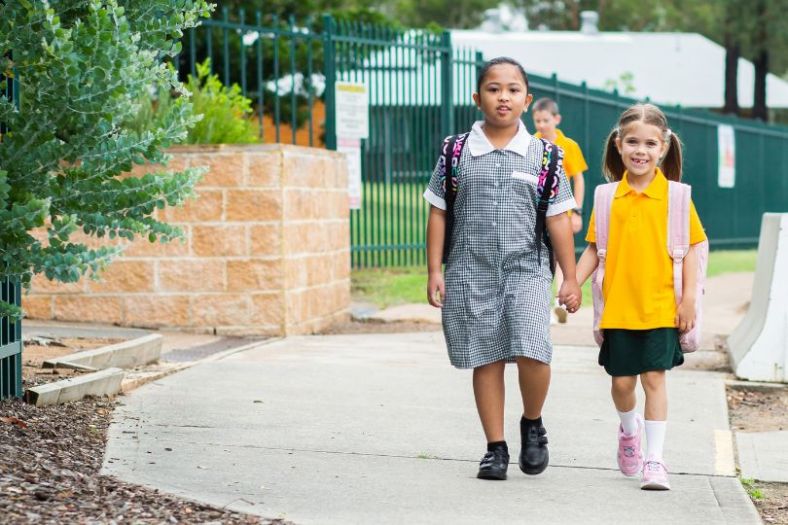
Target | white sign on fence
(352,111)
(352,125)
(726,150)
(352,150)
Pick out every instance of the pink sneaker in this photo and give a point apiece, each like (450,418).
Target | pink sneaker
(655,476)
(630,456)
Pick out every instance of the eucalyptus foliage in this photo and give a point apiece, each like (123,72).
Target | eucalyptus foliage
(73,74)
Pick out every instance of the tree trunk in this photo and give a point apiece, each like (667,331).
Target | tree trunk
(759,109)
(761,63)
(732,52)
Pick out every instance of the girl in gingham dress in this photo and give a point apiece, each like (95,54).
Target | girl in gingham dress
(496,290)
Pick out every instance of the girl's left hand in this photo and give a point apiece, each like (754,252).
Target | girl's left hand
(685,315)
(570,295)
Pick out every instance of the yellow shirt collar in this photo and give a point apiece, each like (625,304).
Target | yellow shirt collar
(656,190)
(559,135)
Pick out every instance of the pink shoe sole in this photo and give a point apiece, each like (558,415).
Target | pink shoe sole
(655,476)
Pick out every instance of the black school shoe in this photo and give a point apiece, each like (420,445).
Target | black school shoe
(494,464)
(534,456)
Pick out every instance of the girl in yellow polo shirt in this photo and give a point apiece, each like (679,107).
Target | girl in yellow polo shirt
(641,322)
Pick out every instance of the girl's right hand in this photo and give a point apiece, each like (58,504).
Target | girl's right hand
(435,289)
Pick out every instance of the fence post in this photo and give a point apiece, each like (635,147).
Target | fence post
(447,85)
(330,72)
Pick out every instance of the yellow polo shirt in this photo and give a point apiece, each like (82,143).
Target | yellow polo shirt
(574,162)
(638,284)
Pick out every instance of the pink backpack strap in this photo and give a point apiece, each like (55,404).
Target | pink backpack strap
(603,203)
(679,199)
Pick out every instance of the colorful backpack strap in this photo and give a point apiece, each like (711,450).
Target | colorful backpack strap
(547,189)
(449,169)
(679,199)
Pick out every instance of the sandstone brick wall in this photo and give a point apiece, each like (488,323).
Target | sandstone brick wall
(266,251)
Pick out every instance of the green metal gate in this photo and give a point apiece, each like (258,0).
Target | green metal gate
(420,88)
(10,343)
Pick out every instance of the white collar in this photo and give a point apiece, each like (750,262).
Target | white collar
(479,144)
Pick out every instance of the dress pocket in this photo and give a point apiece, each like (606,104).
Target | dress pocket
(526,177)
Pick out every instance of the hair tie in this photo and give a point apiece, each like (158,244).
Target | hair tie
(668,133)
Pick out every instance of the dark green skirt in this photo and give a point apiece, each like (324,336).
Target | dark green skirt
(631,352)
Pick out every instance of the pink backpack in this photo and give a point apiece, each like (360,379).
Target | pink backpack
(679,198)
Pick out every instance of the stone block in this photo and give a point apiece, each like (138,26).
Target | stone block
(265,170)
(207,205)
(152,311)
(266,239)
(212,310)
(254,205)
(219,241)
(254,275)
(41,285)
(38,306)
(173,248)
(125,275)
(192,275)
(268,309)
(224,169)
(86,308)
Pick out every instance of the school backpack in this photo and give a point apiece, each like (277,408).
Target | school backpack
(547,188)
(679,199)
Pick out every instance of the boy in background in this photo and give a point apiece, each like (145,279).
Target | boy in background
(546,119)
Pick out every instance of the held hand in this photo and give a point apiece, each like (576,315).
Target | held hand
(685,315)
(435,289)
(570,295)
(577,222)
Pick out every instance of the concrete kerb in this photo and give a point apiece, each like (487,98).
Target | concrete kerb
(114,368)
(100,383)
(144,378)
(127,354)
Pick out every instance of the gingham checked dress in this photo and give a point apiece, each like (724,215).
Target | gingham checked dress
(498,292)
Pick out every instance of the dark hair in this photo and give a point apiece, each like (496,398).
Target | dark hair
(499,61)
(545,104)
(613,166)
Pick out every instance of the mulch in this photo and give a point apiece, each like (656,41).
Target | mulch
(50,460)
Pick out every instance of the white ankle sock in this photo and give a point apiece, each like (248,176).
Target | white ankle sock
(655,439)
(628,421)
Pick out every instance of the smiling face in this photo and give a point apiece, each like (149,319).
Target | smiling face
(641,147)
(503,96)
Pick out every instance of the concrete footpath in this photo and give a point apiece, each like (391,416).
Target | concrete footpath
(380,429)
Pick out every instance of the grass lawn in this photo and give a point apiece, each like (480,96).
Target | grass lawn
(391,286)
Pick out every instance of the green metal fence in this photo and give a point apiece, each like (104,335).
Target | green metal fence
(10,343)
(731,216)
(10,291)
(420,89)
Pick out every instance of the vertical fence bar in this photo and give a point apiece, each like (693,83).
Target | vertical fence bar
(330,72)
(447,72)
(209,45)
(293,105)
(258,17)
(309,74)
(226,46)
(193,52)
(384,186)
(242,52)
(276,95)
